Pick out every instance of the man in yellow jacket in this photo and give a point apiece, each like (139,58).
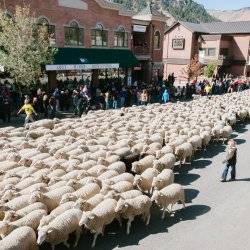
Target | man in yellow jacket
(29,110)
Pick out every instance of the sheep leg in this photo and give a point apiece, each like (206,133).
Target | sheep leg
(78,235)
(183,203)
(66,244)
(129,225)
(148,219)
(94,240)
(163,213)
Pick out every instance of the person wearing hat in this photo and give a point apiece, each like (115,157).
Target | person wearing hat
(231,160)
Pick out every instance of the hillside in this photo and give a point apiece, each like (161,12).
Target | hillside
(231,15)
(184,10)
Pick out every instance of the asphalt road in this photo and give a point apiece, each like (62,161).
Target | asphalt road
(216,216)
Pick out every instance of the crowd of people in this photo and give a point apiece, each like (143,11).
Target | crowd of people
(80,97)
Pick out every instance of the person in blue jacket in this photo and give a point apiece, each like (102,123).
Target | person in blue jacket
(165,96)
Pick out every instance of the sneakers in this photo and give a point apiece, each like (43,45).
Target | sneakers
(222,180)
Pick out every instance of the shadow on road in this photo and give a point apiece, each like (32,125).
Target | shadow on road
(191,194)
(244,179)
(240,141)
(186,178)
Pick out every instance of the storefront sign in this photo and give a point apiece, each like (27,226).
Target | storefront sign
(178,44)
(139,28)
(65,67)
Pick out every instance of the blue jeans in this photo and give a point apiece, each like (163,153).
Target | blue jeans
(225,172)
(114,104)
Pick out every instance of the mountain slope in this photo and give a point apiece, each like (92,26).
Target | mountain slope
(184,10)
(231,15)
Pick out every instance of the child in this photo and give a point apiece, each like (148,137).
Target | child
(29,110)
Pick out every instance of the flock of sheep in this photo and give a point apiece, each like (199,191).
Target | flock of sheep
(58,177)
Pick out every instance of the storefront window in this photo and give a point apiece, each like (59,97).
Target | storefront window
(211,52)
(157,40)
(121,38)
(50,28)
(99,37)
(74,35)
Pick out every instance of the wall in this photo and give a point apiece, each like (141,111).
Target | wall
(61,16)
(240,47)
(178,32)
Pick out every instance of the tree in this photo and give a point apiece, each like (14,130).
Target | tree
(210,69)
(194,69)
(25,46)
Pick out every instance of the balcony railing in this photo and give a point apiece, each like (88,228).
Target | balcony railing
(141,50)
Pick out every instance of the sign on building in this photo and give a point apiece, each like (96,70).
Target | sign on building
(178,43)
(139,28)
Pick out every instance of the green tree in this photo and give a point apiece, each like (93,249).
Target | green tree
(24,46)
(209,70)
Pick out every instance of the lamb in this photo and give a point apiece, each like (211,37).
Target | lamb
(31,220)
(143,164)
(23,238)
(102,215)
(60,228)
(184,152)
(165,162)
(165,178)
(52,198)
(130,208)
(169,196)
(144,181)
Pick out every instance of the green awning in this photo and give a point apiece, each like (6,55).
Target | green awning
(87,58)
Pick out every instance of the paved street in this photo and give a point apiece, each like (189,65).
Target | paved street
(216,217)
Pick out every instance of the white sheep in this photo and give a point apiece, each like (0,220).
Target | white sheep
(23,238)
(102,215)
(144,181)
(28,209)
(184,152)
(90,204)
(118,166)
(122,177)
(167,161)
(169,196)
(165,178)
(141,165)
(119,187)
(130,208)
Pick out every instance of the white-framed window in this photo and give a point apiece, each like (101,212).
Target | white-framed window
(121,38)
(74,35)
(99,36)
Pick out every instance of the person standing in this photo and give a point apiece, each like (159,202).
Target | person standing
(231,160)
(165,96)
(29,110)
(144,97)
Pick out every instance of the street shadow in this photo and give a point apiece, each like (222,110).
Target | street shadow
(191,194)
(185,178)
(116,237)
(241,128)
(244,179)
(240,141)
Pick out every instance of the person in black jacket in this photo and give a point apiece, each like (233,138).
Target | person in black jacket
(231,160)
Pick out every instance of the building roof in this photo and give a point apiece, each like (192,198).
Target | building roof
(242,27)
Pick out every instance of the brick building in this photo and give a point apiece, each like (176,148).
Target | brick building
(226,43)
(94,35)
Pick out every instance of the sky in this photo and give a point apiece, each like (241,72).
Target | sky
(225,4)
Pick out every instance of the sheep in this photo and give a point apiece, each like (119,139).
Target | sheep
(52,198)
(226,132)
(118,166)
(206,138)
(122,177)
(28,209)
(165,178)
(144,181)
(88,164)
(19,202)
(130,208)
(31,220)
(143,164)
(119,187)
(97,170)
(109,174)
(42,187)
(23,238)
(167,161)
(165,150)
(184,152)
(86,192)
(90,204)
(169,196)
(125,195)
(102,215)
(196,142)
